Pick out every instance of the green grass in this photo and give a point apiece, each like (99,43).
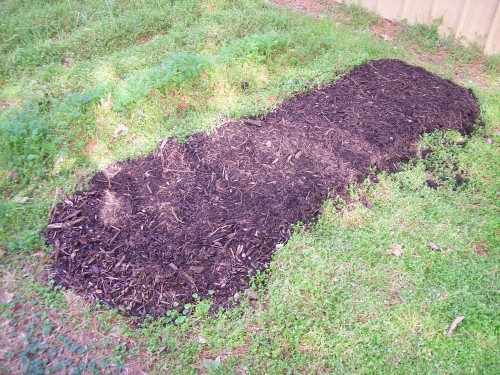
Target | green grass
(335,299)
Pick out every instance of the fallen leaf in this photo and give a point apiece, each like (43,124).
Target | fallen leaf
(434,247)
(252,296)
(120,130)
(161,349)
(481,251)
(212,363)
(13,176)
(397,249)
(202,340)
(6,297)
(454,325)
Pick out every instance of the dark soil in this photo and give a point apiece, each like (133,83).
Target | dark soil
(202,216)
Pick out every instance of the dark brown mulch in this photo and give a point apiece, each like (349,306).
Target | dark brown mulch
(202,216)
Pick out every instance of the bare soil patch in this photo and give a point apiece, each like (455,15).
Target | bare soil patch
(202,216)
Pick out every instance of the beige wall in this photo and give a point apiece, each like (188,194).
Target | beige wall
(471,20)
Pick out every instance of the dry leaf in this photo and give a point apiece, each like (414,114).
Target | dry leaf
(162,349)
(454,325)
(120,130)
(434,247)
(397,249)
(252,296)
(211,363)
(6,297)
(202,340)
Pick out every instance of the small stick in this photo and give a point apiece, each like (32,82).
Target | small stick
(176,170)
(57,249)
(114,237)
(115,268)
(215,231)
(71,215)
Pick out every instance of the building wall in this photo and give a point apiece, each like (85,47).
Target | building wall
(469,20)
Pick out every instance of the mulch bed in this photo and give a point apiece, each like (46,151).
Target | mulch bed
(202,216)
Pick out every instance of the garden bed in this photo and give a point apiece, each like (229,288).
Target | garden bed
(199,218)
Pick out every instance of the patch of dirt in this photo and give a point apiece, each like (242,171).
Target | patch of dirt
(202,216)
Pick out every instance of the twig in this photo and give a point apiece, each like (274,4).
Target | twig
(176,170)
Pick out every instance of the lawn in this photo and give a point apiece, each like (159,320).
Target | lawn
(84,84)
